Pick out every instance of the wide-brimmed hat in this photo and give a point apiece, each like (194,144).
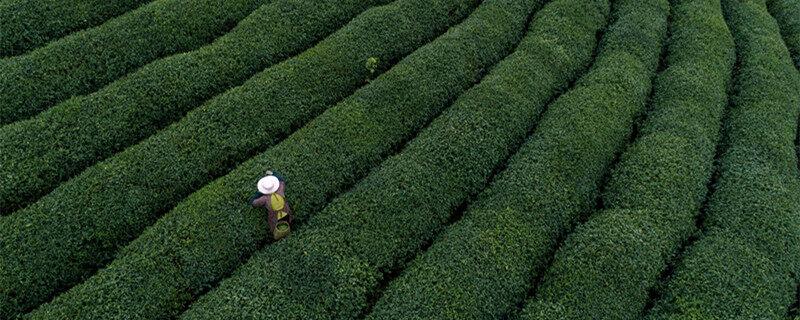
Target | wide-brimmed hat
(269,184)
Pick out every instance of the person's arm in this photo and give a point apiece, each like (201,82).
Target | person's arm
(256,200)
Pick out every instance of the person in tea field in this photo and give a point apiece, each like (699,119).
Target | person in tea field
(271,195)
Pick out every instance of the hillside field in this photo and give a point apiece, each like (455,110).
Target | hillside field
(443,159)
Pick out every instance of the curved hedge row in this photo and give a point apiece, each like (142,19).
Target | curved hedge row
(27,24)
(37,155)
(484,265)
(88,60)
(606,268)
(348,247)
(367,231)
(123,195)
(214,230)
(787,13)
(744,267)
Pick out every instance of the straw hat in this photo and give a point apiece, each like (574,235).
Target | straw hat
(268,184)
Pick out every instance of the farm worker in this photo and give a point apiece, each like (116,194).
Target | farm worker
(271,195)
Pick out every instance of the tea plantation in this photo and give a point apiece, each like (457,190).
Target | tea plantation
(444,159)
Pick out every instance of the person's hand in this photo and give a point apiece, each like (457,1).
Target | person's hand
(278,175)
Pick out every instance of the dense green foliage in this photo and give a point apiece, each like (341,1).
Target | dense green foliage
(214,230)
(368,232)
(439,175)
(36,155)
(744,267)
(484,265)
(566,28)
(446,159)
(787,13)
(27,24)
(150,178)
(87,60)
(607,267)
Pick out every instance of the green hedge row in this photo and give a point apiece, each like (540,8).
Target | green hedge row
(452,279)
(209,234)
(745,265)
(37,155)
(483,266)
(88,60)
(387,215)
(606,268)
(365,234)
(27,24)
(787,12)
(125,194)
